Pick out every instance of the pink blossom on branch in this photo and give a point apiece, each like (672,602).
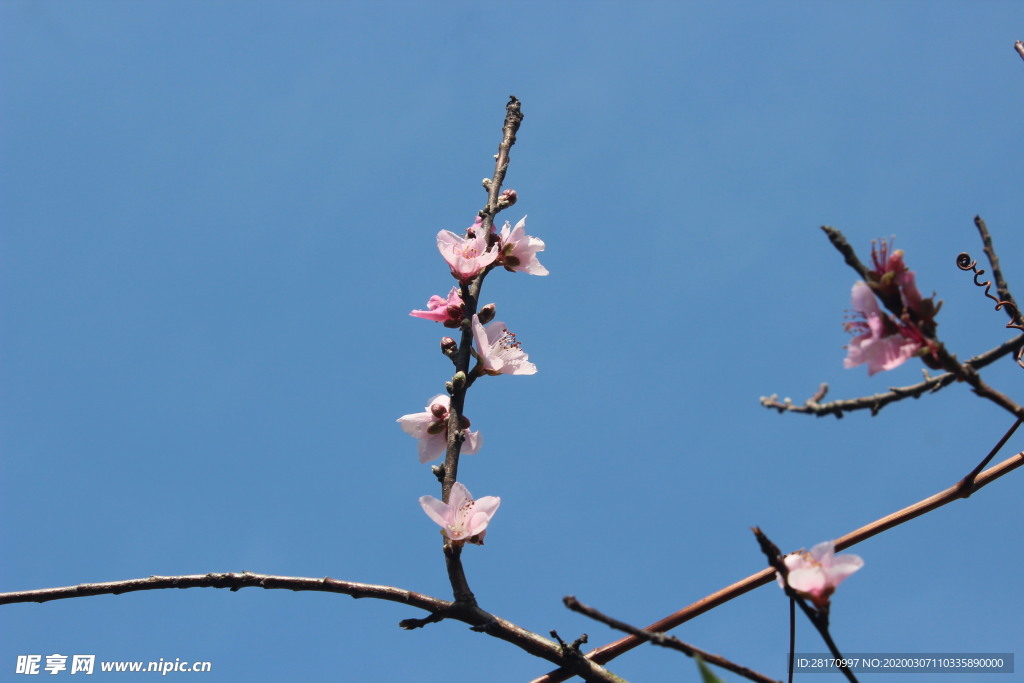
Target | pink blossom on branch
(466,256)
(519,250)
(441,310)
(462,518)
(880,342)
(499,351)
(431,428)
(815,574)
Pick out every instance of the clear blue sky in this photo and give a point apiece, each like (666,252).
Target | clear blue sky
(216,216)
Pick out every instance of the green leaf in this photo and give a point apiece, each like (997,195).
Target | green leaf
(705,672)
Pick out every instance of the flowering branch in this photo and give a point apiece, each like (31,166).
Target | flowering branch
(461,356)
(663,640)
(885,342)
(818,617)
(606,653)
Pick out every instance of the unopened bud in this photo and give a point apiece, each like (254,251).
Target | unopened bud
(449,387)
(486,314)
(448,346)
(464,422)
(506,199)
(486,182)
(438,411)
(458,381)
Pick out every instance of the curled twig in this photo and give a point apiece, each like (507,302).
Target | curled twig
(965,262)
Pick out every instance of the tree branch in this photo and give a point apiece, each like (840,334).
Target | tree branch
(438,609)
(606,653)
(876,402)
(663,640)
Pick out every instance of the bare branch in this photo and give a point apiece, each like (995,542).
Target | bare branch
(663,640)
(876,402)
(439,609)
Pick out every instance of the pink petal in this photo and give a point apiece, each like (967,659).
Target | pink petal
(436,510)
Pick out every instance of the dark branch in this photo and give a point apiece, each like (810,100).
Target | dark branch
(663,640)
(876,402)
(438,609)
(843,247)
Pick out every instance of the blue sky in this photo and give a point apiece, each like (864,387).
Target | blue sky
(216,216)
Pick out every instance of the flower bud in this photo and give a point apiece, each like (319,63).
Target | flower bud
(448,346)
(486,314)
(506,199)
(458,381)
(438,411)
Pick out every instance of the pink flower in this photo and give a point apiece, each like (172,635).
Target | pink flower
(499,351)
(466,256)
(431,428)
(441,310)
(880,342)
(462,518)
(519,250)
(815,574)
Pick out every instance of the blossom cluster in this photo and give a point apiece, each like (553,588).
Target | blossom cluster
(885,341)
(496,349)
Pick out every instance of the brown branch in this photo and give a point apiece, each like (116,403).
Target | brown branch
(876,402)
(606,653)
(663,640)
(438,609)
(513,119)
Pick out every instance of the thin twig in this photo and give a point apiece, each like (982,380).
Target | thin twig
(792,638)
(838,241)
(480,620)
(1019,47)
(663,640)
(876,402)
(608,652)
(978,385)
(967,483)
